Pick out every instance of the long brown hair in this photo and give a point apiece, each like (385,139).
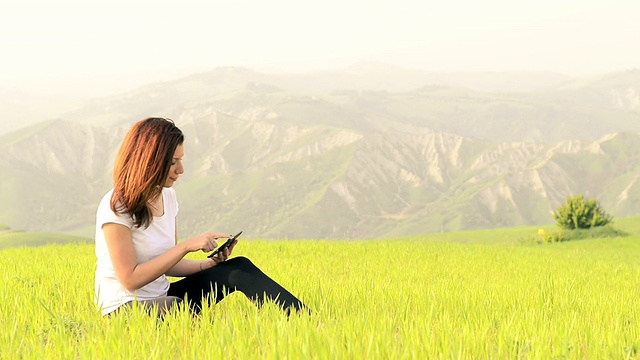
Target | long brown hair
(142,167)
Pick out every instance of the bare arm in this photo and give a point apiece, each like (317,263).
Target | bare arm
(123,257)
(186,267)
(133,275)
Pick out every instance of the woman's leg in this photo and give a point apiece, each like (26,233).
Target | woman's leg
(238,273)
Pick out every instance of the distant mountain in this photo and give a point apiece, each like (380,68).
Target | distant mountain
(620,91)
(341,163)
(555,108)
(18,108)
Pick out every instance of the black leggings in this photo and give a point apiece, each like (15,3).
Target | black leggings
(238,273)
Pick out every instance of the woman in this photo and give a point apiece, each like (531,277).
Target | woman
(136,235)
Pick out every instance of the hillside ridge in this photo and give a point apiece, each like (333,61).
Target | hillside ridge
(354,163)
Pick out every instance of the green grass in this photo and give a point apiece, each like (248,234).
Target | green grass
(466,295)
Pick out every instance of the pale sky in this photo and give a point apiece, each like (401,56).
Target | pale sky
(96,48)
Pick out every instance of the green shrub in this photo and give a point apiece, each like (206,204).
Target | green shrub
(553,237)
(581,213)
(543,238)
(607,231)
(600,232)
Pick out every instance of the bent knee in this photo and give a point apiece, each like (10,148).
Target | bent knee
(241,261)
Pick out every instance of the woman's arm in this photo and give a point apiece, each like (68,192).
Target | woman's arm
(186,267)
(133,275)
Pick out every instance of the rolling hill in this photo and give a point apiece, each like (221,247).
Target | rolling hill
(278,159)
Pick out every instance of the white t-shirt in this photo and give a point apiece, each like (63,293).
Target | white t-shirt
(149,242)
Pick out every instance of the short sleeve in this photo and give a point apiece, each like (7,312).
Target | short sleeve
(105,215)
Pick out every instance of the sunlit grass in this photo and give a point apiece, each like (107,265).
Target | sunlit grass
(386,299)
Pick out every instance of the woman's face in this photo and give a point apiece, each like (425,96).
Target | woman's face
(176,167)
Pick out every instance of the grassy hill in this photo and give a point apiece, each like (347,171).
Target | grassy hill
(500,236)
(12,239)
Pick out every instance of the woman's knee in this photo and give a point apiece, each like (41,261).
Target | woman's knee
(241,262)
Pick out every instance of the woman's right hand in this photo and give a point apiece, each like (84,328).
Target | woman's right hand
(205,242)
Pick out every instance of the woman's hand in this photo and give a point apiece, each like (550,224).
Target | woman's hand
(221,256)
(205,242)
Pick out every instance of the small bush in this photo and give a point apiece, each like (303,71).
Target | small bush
(581,213)
(553,237)
(571,235)
(543,238)
(594,233)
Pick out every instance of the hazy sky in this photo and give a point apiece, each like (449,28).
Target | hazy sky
(95,49)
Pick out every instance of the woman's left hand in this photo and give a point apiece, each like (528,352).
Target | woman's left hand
(220,257)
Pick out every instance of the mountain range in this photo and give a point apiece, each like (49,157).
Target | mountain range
(370,152)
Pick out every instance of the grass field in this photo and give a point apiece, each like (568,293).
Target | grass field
(467,295)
